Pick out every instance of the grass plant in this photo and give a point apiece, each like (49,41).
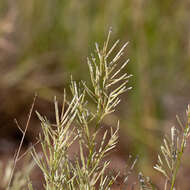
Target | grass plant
(39,38)
(77,122)
(74,121)
(169,160)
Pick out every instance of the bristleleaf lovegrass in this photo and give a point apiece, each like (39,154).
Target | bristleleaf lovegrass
(87,170)
(170,158)
(76,122)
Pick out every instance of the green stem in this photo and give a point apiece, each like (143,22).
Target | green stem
(178,163)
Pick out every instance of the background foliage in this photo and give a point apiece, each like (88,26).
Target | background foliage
(43,41)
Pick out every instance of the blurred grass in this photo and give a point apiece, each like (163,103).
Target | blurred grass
(43,41)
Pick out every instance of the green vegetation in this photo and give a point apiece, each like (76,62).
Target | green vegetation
(41,37)
(76,121)
(43,41)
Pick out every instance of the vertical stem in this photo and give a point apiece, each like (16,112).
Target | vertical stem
(178,162)
(21,142)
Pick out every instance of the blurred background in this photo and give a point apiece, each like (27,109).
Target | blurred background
(43,42)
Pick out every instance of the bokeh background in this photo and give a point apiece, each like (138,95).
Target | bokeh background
(43,42)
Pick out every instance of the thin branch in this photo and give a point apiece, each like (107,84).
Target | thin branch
(21,142)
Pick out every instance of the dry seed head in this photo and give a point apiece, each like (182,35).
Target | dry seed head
(188,115)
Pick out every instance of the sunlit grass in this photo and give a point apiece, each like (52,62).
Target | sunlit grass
(75,121)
